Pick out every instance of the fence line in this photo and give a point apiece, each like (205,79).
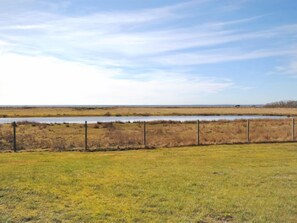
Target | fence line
(86,135)
(144,134)
(199,132)
(14,136)
(293,129)
(248,131)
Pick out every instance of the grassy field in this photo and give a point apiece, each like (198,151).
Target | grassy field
(143,111)
(102,136)
(241,183)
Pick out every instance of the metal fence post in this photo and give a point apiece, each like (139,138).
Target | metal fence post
(86,135)
(293,129)
(14,137)
(144,134)
(248,131)
(198,133)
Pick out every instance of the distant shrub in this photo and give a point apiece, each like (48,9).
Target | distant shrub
(107,114)
(282,104)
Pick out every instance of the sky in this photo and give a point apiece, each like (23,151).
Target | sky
(147,52)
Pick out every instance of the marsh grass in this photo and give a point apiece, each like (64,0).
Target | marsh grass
(141,111)
(267,130)
(239,183)
(219,132)
(169,134)
(118,136)
(115,135)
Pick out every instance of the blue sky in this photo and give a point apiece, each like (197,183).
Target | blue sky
(147,52)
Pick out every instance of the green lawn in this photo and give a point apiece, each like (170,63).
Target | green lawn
(240,183)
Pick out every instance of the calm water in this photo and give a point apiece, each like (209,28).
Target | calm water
(132,119)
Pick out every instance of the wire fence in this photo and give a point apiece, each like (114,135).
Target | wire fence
(30,136)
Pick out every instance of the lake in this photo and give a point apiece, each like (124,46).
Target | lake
(134,118)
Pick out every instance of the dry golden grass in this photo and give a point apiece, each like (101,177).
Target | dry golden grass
(104,136)
(143,111)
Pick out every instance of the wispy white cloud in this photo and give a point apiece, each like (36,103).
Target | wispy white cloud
(117,35)
(69,82)
(101,48)
(234,22)
(219,56)
(234,5)
(3,43)
(289,70)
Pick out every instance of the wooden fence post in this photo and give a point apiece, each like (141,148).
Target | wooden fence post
(293,129)
(144,134)
(248,131)
(14,137)
(198,133)
(86,135)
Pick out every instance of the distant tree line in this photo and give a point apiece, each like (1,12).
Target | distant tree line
(282,104)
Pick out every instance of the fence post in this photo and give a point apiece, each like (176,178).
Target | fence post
(198,133)
(86,135)
(144,134)
(14,137)
(293,129)
(248,131)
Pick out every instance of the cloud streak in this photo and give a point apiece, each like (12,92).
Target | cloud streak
(155,51)
(224,55)
(117,35)
(289,70)
(67,84)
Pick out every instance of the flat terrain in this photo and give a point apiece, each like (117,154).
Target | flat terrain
(143,111)
(105,136)
(241,183)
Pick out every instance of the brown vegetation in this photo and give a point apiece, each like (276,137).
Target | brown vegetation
(104,136)
(282,104)
(143,111)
